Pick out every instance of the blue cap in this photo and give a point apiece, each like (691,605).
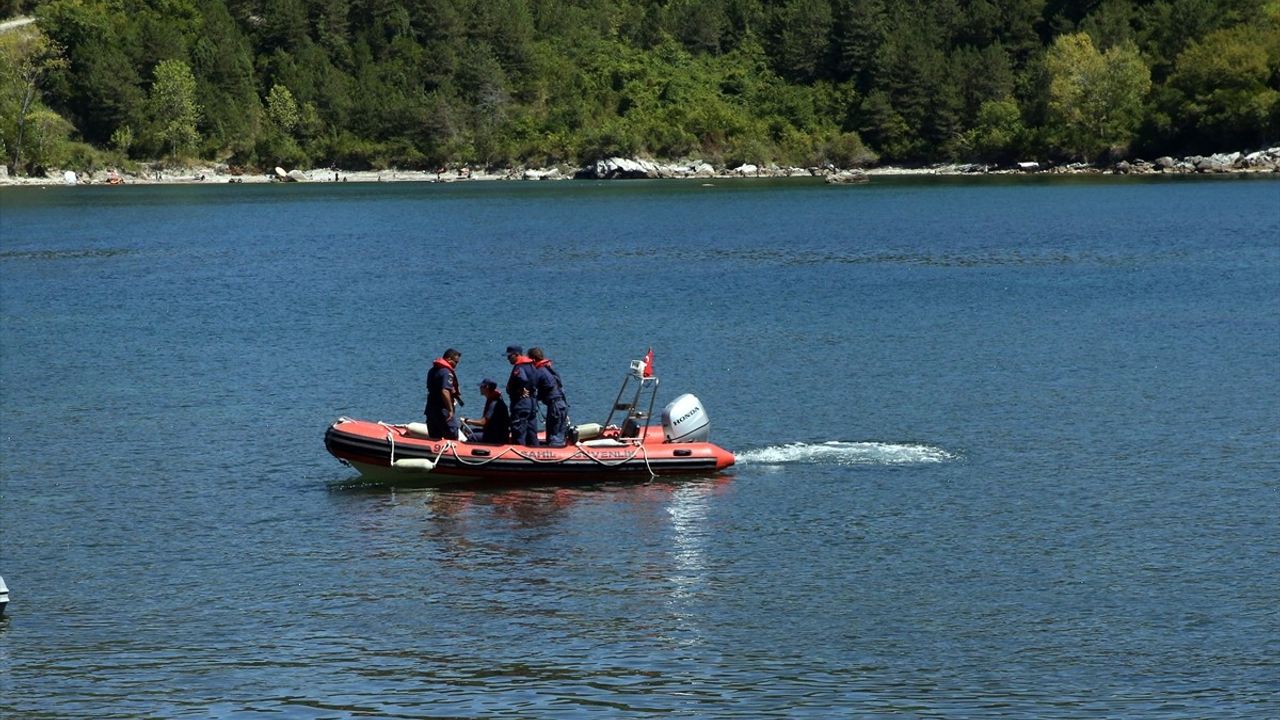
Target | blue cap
(488,382)
(514,349)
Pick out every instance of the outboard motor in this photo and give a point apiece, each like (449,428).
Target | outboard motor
(684,420)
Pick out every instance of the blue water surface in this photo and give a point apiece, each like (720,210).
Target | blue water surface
(1007,448)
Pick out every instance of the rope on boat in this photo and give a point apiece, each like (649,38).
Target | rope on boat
(652,474)
(391,439)
(513,451)
(452,446)
(478,463)
(640,449)
(447,444)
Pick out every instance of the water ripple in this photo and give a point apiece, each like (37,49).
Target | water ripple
(63,254)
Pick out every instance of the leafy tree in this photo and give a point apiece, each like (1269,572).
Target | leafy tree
(1166,27)
(332,29)
(914,72)
(222,62)
(376,83)
(998,134)
(122,139)
(173,107)
(99,89)
(484,84)
(27,57)
(859,28)
(1110,23)
(885,127)
(161,37)
(283,110)
(506,27)
(283,24)
(48,133)
(1095,99)
(1230,86)
(699,24)
(847,151)
(981,76)
(801,32)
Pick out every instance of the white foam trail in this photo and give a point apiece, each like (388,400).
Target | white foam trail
(839,452)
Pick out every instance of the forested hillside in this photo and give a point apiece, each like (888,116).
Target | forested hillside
(424,83)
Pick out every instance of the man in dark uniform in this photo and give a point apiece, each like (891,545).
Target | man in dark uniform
(550,391)
(494,428)
(442,393)
(520,389)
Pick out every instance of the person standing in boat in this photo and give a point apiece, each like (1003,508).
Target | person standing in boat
(550,391)
(521,390)
(495,427)
(442,394)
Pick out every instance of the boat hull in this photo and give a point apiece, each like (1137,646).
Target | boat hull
(392,454)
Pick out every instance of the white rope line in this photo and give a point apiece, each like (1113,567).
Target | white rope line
(391,438)
(640,449)
(446,446)
(478,463)
(652,474)
(604,463)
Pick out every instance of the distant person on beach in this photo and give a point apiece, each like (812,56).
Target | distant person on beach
(550,392)
(442,395)
(521,390)
(495,427)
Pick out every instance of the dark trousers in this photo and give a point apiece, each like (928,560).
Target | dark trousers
(557,422)
(440,426)
(524,422)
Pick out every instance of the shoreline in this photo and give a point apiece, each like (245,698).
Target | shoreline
(1258,162)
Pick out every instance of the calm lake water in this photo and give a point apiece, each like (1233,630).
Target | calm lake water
(1008,448)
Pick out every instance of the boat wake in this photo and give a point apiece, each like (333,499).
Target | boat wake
(839,452)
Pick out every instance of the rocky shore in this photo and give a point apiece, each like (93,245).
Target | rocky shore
(1261,161)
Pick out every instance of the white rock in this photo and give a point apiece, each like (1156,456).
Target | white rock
(552,174)
(616,167)
(702,169)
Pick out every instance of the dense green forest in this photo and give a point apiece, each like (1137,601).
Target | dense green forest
(425,83)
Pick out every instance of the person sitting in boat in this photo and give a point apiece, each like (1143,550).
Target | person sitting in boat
(550,392)
(442,394)
(495,427)
(521,390)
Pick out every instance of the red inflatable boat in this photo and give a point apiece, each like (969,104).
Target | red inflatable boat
(404,455)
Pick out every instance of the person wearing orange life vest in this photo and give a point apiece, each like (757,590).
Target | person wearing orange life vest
(442,394)
(550,392)
(521,390)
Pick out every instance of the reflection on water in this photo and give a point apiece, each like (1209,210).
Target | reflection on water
(688,511)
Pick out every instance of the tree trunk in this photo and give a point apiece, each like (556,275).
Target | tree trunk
(22,123)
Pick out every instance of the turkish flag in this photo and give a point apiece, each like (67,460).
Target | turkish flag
(648,363)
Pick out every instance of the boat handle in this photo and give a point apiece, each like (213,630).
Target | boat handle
(481,453)
(682,453)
